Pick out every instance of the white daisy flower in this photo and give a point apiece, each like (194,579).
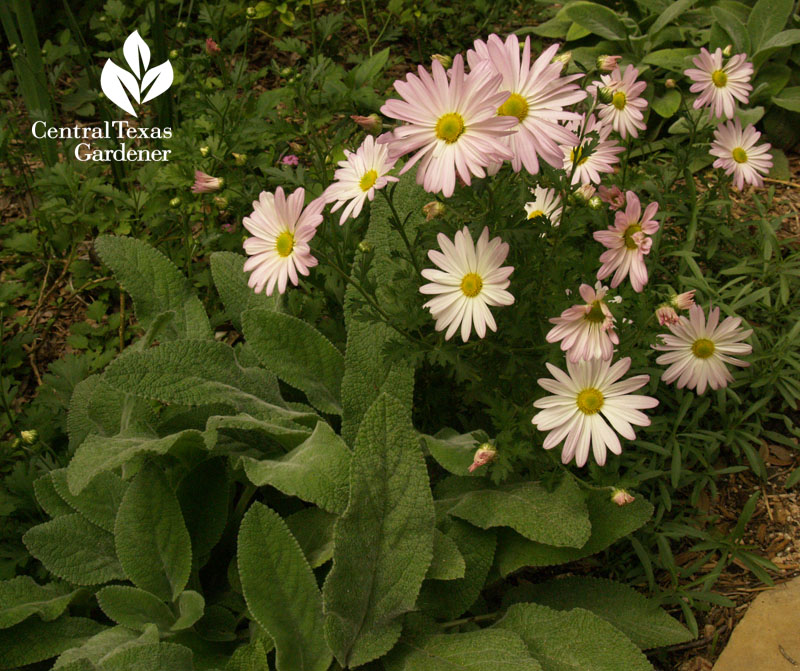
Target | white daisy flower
(583,400)
(545,203)
(738,155)
(470,280)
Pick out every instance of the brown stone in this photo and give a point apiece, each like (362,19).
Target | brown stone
(768,637)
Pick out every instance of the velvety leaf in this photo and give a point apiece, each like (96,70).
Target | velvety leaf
(668,104)
(260,433)
(671,59)
(281,591)
(107,642)
(75,550)
(575,640)
(447,562)
(249,657)
(34,640)
(767,18)
(227,269)
(735,29)
(598,19)
(151,538)
(315,471)
(203,494)
(98,502)
(191,606)
(313,529)
(134,608)
(668,15)
(22,597)
(453,451)
(789,99)
(149,657)
(47,497)
(383,540)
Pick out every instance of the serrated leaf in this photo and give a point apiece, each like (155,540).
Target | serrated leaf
(34,640)
(383,540)
(249,657)
(107,642)
(134,608)
(148,657)
(98,502)
(556,518)
(639,618)
(598,19)
(281,591)
(259,433)
(447,562)
(227,269)
(191,606)
(151,538)
(205,516)
(22,597)
(575,640)
(75,550)
(156,286)
(47,497)
(484,650)
(609,521)
(313,530)
(298,354)
(316,471)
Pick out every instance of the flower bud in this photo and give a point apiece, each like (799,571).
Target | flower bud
(181,24)
(173,54)
(239,159)
(364,247)
(285,72)
(175,202)
(221,202)
(607,63)
(204,151)
(584,193)
(666,315)
(29,437)
(605,94)
(595,203)
(621,497)
(727,51)
(446,61)
(204,183)
(250,12)
(613,196)
(682,301)
(483,455)
(433,210)
(296,147)
(670,83)
(212,47)
(372,123)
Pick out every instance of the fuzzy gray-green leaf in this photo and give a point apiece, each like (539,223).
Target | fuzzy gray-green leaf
(447,562)
(134,608)
(98,502)
(21,597)
(34,640)
(313,529)
(150,657)
(227,269)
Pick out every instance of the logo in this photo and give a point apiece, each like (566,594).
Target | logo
(141,83)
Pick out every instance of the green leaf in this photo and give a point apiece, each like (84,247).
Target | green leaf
(298,354)
(575,640)
(789,99)
(598,19)
(47,497)
(261,434)
(21,597)
(149,657)
(281,591)
(156,286)
(785,38)
(75,550)
(227,269)
(484,650)
(454,452)
(369,69)
(151,538)
(780,165)
(98,502)
(134,608)
(206,515)
(670,59)
(191,606)
(383,540)
(556,518)
(668,104)
(577,32)
(249,657)
(34,640)
(447,562)
(315,471)
(313,530)
(610,522)
(734,27)
(672,12)
(107,642)
(639,618)
(554,28)
(767,18)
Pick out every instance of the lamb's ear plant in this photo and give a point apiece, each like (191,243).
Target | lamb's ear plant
(206,521)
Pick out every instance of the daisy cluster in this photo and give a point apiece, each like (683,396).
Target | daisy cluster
(501,105)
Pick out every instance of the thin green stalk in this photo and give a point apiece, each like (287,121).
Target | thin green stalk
(400,228)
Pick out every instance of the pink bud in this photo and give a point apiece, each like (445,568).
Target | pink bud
(204,183)
(483,455)
(683,301)
(621,497)
(212,47)
(585,192)
(607,63)
(290,159)
(372,123)
(666,315)
(613,196)
(433,210)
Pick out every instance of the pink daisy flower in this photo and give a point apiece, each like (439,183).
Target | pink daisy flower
(628,242)
(589,163)
(697,351)
(624,112)
(613,196)
(739,155)
(719,85)
(586,331)
(585,398)
(452,125)
(666,315)
(536,95)
(279,248)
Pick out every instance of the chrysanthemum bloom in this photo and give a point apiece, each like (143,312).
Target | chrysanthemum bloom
(666,315)
(583,400)
(718,85)
(290,159)
(739,155)
(359,176)
(470,280)
(586,331)
(624,111)
(606,63)
(279,248)
(545,203)
(628,241)
(536,95)
(204,183)
(589,163)
(613,196)
(212,47)
(683,301)
(697,351)
(451,124)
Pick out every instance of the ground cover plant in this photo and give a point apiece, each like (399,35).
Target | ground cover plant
(403,348)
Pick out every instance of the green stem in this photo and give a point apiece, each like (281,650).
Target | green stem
(400,228)
(486,617)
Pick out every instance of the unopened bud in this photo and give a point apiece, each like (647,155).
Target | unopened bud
(285,72)
(173,54)
(595,203)
(29,437)
(296,147)
(240,159)
(483,455)
(175,202)
(621,497)
(670,83)
(181,24)
(606,63)
(371,123)
(682,301)
(250,12)
(584,193)
(433,210)
(364,247)
(605,94)
(212,47)
(564,59)
(221,202)
(446,61)
(204,151)
(666,315)
(727,51)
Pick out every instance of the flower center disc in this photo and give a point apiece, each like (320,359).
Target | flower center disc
(739,155)
(471,284)
(515,105)
(630,243)
(535,214)
(719,78)
(368,180)
(284,244)
(577,157)
(589,401)
(619,100)
(703,348)
(449,127)
(596,314)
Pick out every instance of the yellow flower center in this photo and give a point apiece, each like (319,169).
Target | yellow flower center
(619,100)
(471,285)
(596,314)
(739,155)
(368,180)
(515,105)
(719,78)
(284,244)
(630,243)
(536,213)
(703,348)
(449,127)
(589,401)
(577,157)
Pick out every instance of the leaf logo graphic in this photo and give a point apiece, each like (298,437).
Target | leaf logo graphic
(143,85)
